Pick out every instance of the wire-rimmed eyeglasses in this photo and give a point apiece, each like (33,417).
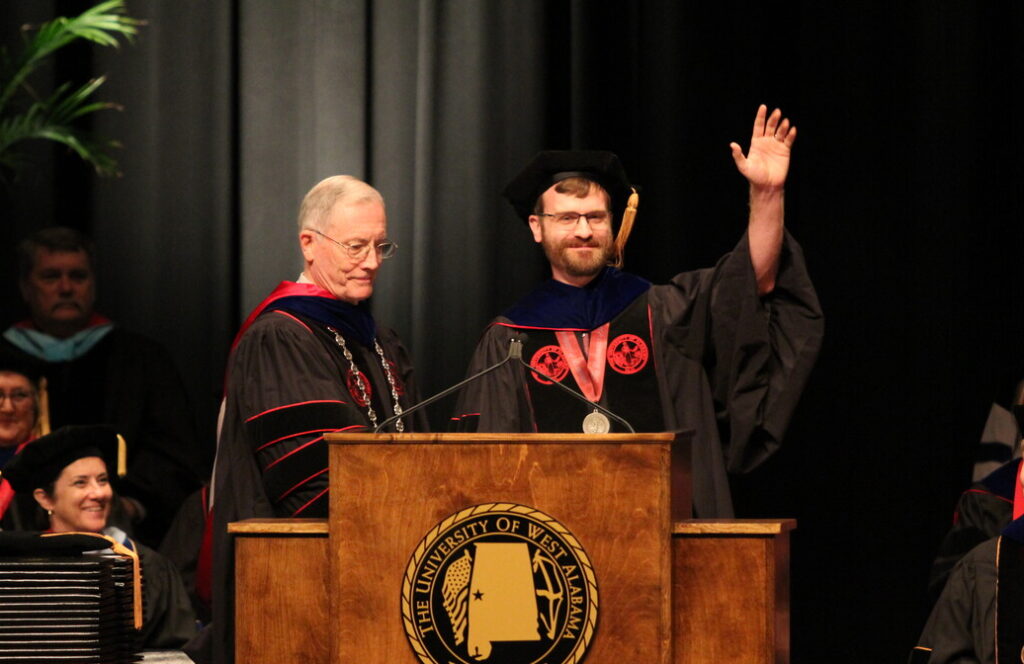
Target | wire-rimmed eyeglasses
(357,251)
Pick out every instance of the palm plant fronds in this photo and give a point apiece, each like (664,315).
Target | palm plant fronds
(50,118)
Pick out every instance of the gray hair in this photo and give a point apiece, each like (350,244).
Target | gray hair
(328,193)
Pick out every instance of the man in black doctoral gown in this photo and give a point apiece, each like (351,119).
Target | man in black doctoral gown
(723,351)
(308,360)
(982,511)
(979,617)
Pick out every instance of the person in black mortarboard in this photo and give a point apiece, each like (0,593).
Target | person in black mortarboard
(71,473)
(723,351)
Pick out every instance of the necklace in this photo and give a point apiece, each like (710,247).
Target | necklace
(361,386)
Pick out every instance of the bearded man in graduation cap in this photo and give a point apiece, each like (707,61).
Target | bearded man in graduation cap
(723,351)
(309,360)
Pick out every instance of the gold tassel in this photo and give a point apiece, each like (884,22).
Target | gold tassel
(626,228)
(42,426)
(122,456)
(121,549)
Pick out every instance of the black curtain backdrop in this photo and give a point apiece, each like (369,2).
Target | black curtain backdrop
(905,192)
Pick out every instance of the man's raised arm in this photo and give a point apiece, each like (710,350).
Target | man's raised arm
(765,166)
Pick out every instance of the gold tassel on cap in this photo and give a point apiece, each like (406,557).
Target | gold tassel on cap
(626,228)
(122,456)
(42,427)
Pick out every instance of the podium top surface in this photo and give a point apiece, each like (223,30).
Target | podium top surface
(698,527)
(531,438)
(720,527)
(278,527)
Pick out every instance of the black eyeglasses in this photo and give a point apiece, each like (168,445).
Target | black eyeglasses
(359,250)
(573,218)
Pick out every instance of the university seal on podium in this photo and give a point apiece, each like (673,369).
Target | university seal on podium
(499,583)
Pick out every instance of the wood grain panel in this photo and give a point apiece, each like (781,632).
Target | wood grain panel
(766,527)
(281,601)
(730,592)
(279,527)
(533,439)
(612,496)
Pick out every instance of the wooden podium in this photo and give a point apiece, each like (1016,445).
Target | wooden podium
(664,588)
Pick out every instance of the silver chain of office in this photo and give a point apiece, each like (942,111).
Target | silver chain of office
(370,412)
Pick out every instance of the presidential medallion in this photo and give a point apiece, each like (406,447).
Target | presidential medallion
(596,422)
(501,583)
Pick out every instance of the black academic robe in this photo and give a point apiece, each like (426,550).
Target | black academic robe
(720,361)
(288,384)
(169,621)
(981,513)
(978,618)
(960,627)
(183,543)
(130,382)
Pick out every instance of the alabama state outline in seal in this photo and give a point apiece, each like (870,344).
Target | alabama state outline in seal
(500,583)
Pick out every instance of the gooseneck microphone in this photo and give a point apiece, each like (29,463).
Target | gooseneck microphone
(569,390)
(515,351)
(515,354)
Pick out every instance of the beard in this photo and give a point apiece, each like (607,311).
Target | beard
(559,254)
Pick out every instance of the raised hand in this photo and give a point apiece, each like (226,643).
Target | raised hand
(767,162)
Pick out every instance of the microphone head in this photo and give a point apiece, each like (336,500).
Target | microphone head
(515,348)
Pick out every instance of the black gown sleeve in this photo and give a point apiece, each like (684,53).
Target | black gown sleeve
(757,352)
(288,390)
(182,544)
(961,627)
(497,401)
(980,515)
(168,619)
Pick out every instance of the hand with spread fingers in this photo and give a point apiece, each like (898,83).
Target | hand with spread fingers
(767,162)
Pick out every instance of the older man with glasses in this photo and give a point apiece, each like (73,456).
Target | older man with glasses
(308,360)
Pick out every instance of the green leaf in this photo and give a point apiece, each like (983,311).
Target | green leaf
(50,119)
(102,24)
